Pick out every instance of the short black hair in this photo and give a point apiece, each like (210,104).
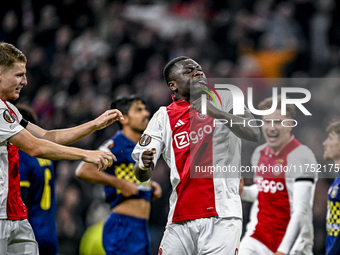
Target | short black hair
(123,103)
(169,67)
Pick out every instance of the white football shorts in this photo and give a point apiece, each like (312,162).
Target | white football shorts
(17,237)
(213,236)
(251,246)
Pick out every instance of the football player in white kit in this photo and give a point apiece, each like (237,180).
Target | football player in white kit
(205,213)
(281,214)
(16,235)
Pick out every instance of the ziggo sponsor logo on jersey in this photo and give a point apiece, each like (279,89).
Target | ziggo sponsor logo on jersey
(269,186)
(184,138)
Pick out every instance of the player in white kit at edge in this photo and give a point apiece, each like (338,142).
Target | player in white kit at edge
(281,215)
(205,212)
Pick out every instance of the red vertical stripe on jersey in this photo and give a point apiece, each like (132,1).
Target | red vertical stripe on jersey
(16,209)
(195,196)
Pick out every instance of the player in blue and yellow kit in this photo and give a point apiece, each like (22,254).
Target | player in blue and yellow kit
(125,231)
(37,179)
(332,152)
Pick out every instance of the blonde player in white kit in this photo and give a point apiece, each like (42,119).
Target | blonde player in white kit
(281,215)
(205,213)
(16,235)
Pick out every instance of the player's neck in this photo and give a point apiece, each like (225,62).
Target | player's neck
(3,98)
(180,96)
(131,134)
(189,98)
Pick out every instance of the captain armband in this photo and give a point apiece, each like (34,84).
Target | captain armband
(24,123)
(305,179)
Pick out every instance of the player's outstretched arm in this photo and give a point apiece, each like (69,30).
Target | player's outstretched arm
(144,167)
(41,148)
(237,124)
(89,172)
(71,135)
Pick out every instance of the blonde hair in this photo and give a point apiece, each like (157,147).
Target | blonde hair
(9,55)
(334,127)
(268,102)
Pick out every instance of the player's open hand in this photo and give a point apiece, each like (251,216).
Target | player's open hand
(107,118)
(147,157)
(102,159)
(157,190)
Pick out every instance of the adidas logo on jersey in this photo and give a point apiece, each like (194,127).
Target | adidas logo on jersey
(179,123)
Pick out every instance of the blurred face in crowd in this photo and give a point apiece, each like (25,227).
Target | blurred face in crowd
(274,132)
(188,77)
(332,147)
(12,80)
(138,116)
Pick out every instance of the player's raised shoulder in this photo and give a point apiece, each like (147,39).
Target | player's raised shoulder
(158,121)
(303,152)
(107,145)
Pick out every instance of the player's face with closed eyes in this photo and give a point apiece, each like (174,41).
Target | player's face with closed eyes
(188,77)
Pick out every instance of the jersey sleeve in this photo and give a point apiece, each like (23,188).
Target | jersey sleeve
(15,110)
(227,100)
(304,176)
(153,136)
(111,145)
(107,145)
(8,125)
(302,164)
(301,207)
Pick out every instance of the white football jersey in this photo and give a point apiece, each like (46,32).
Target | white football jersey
(204,157)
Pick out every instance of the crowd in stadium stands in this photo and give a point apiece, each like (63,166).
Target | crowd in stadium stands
(81,54)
